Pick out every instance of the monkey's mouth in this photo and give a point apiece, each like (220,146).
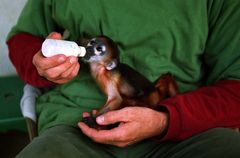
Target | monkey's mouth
(87,57)
(89,53)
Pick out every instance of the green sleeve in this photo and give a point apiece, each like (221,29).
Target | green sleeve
(36,19)
(222,52)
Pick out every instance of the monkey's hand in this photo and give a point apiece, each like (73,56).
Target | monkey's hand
(136,124)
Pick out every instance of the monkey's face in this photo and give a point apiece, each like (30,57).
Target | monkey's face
(101,49)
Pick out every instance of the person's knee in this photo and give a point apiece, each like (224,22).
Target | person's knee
(47,146)
(223,142)
(60,142)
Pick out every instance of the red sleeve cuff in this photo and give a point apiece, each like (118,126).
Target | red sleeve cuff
(22,47)
(174,122)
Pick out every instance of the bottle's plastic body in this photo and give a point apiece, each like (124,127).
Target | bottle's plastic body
(51,47)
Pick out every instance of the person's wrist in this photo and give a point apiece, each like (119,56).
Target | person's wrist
(165,123)
(164,116)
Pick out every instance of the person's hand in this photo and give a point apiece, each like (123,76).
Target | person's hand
(136,124)
(59,68)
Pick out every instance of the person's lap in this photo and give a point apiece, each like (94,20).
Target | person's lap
(65,141)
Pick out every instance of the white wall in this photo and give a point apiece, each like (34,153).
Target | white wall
(9,12)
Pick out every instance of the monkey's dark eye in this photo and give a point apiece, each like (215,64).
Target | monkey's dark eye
(99,48)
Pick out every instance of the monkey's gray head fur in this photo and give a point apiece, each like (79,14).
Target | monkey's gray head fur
(102,50)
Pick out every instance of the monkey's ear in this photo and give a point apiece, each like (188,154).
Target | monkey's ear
(111,65)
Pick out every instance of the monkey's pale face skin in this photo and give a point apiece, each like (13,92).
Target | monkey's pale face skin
(102,51)
(96,51)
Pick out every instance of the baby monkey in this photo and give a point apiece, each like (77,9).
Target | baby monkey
(122,85)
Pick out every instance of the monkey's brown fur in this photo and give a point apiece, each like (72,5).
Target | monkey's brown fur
(122,85)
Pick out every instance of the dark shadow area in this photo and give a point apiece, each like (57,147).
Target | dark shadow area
(12,142)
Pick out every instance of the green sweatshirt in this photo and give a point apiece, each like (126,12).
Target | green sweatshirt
(183,37)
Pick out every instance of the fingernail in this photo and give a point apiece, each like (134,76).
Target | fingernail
(72,60)
(100,119)
(61,59)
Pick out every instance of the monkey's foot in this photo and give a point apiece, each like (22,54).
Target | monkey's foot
(91,122)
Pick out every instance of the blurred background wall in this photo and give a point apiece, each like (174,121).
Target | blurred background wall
(9,12)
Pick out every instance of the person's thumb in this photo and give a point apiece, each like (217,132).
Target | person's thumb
(112,117)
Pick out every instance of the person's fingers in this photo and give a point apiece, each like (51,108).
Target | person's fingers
(61,80)
(75,71)
(94,111)
(54,35)
(90,132)
(71,71)
(55,72)
(86,114)
(47,63)
(103,136)
(124,143)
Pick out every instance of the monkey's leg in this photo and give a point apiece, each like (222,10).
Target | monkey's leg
(167,86)
(114,102)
